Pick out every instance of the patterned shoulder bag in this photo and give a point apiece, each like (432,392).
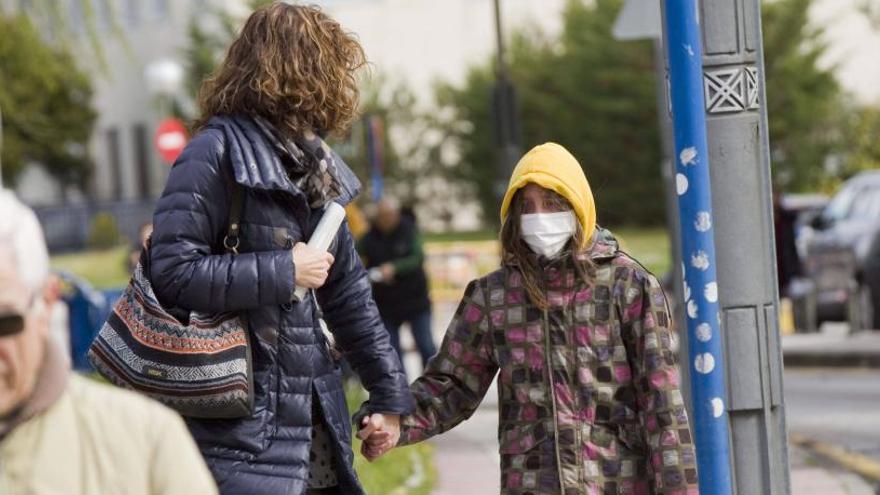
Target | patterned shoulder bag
(200,367)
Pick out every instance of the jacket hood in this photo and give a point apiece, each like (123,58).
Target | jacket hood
(256,164)
(552,167)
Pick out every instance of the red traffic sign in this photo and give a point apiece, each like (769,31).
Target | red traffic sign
(171,138)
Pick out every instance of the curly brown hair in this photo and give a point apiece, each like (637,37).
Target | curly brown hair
(516,254)
(294,66)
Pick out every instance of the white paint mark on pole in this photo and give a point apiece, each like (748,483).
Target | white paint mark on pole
(700,260)
(681,184)
(704,332)
(711,292)
(688,156)
(703,221)
(704,363)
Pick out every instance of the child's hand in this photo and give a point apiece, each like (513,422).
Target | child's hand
(380,433)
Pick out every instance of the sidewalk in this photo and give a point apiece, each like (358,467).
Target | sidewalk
(832,347)
(467,462)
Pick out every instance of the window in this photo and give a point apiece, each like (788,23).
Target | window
(114,162)
(142,159)
(866,205)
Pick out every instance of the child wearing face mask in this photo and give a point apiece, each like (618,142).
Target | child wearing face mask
(588,386)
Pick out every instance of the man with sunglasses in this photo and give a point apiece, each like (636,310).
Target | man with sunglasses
(63,433)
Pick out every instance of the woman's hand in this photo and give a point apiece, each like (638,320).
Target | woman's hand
(380,433)
(311,265)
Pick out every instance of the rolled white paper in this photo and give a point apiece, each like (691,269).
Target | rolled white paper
(323,236)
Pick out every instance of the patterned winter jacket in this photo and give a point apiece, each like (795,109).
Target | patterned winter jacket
(588,390)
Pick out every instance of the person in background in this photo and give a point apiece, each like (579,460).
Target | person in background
(60,432)
(788,263)
(392,252)
(588,384)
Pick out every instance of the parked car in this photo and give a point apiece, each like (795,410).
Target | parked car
(843,255)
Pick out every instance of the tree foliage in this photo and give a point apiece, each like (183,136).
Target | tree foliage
(803,99)
(585,90)
(46,105)
(407,138)
(596,96)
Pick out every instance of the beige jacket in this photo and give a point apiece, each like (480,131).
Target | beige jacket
(99,440)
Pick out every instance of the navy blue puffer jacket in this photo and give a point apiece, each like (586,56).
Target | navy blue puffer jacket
(268,453)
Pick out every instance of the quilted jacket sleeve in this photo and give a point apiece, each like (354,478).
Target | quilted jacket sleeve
(190,220)
(664,420)
(347,301)
(456,380)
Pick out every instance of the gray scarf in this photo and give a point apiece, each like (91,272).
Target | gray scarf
(310,164)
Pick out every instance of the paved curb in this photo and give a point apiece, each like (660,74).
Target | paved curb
(831,359)
(850,461)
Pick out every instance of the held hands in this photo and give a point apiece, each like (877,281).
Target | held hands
(380,433)
(312,266)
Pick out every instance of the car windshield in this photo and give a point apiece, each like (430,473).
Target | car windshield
(840,205)
(866,205)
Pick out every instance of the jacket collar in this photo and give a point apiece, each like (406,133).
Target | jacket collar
(604,246)
(257,165)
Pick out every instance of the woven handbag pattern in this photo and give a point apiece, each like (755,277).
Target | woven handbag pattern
(201,369)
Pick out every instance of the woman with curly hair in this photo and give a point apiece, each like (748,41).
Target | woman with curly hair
(578,334)
(288,79)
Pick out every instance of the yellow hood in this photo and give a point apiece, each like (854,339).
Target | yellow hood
(552,167)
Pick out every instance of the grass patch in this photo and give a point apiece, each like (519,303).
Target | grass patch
(650,246)
(395,473)
(104,268)
(477,235)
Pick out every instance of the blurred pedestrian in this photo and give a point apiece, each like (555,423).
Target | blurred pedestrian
(60,432)
(290,77)
(788,264)
(589,390)
(392,251)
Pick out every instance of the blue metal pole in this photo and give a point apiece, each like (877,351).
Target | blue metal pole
(711,430)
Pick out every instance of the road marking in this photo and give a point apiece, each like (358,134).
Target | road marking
(850,461)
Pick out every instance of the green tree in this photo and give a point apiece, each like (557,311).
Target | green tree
(209,38)
(584,90)
(803,100)
(393,103)
(46,104)
(596,96)
(862,143)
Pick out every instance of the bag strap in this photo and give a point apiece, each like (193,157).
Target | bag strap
(232,239)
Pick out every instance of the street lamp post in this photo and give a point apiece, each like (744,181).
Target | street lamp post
(505,113)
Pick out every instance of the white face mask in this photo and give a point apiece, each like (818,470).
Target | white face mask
(547,233)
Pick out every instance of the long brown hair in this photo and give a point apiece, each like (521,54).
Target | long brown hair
(292,65)
(517,254)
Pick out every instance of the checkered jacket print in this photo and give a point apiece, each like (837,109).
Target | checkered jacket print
(588,390)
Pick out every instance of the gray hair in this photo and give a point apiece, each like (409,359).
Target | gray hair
(21,234)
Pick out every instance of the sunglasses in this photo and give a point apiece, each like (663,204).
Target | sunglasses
(11,324)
